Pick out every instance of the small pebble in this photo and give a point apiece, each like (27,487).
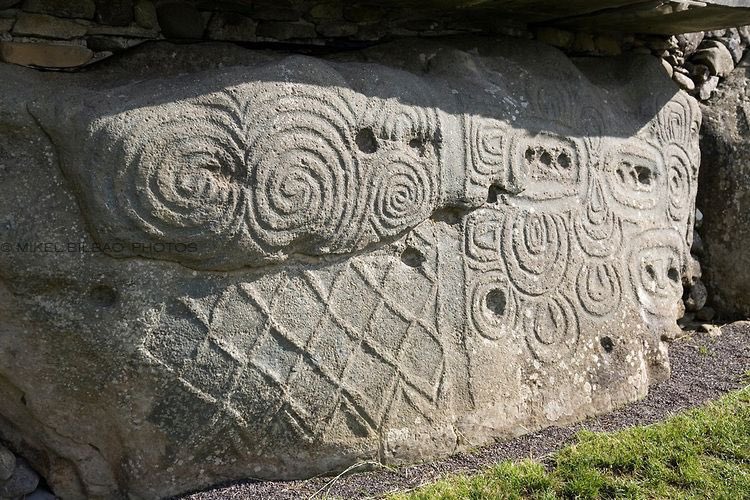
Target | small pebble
(710,329)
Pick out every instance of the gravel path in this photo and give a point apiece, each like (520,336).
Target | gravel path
(703,368)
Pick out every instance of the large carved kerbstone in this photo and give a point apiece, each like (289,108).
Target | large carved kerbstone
(220,263)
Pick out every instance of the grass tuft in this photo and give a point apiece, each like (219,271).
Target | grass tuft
(702,453)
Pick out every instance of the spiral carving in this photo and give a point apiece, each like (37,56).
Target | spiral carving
(304,178)
(405,193)
(536,251)
(599,288)
(183,176)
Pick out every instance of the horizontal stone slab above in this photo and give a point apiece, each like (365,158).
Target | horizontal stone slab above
(627,16)
(668,18)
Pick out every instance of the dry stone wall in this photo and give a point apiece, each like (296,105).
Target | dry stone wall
(56,34)
(59,34)
(220,263)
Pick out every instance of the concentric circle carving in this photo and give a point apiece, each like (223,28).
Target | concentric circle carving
(599,287)
(551,327)
(183,175)
(679,182)
(598,228)
(487,146)
(536,251)
(492,308)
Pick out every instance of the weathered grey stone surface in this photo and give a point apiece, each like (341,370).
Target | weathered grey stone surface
(725,196)
(244,264)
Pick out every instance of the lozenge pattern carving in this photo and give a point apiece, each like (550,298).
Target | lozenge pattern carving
(300,343)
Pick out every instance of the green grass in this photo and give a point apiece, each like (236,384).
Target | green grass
(702,453)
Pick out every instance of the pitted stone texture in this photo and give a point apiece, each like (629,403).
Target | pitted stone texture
(284,265)
(724,196)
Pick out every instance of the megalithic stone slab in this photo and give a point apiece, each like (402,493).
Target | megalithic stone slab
(724,196)
(219,263)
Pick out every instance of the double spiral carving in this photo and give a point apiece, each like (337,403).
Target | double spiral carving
(259,171)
